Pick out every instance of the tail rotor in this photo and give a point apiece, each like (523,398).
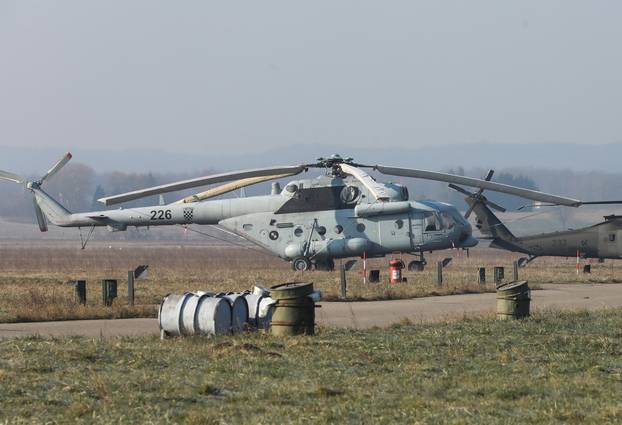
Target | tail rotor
(477,197)
(34,185)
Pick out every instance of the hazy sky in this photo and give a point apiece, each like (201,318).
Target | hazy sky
(210,76)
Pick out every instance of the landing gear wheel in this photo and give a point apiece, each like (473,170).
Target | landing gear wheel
(416,266)
(301,264)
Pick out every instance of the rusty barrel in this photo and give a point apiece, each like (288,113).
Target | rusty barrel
(294,311)
(513,300)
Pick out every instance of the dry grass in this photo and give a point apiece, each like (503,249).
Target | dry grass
(35,279)
(554,368)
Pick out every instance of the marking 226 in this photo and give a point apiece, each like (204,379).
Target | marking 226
(161,215)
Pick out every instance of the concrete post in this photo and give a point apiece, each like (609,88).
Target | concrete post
(344,288)
(130,288)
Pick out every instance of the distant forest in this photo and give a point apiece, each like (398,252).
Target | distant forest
(78,187)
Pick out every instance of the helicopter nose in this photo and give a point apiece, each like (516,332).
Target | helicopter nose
(466,238)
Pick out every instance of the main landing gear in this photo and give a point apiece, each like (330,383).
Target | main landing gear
(303,264)
(417,265)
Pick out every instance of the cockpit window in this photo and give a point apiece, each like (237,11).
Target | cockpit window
(447,221)
(404,193)
(439,221)
(432,223)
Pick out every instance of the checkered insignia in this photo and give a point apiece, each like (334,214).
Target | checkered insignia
(188,214)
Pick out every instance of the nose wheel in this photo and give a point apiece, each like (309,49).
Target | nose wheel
(301,264)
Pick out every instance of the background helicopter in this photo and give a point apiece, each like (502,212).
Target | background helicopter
(601,240)
(342,213)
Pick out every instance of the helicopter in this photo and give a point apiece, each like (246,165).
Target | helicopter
(342,213)
(601,241)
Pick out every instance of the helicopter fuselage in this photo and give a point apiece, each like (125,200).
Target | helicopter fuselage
(317,219)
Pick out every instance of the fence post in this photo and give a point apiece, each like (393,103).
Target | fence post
(130,288)
(344,285)
(481,275)
(109,291)
(80,289)
(439,273)
(499,275)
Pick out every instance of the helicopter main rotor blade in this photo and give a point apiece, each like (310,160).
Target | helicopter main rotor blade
(56,167)
(5,175)
(203,181)
(601,202)
(581,203)
(372,185)
(482,184)
(228,187)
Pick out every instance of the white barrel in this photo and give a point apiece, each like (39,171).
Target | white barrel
(264,312)
(239,311)
(170,313)
(253,300)
(213,316)
(188,314)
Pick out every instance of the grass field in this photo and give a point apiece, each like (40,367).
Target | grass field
(552,368)
(34,279)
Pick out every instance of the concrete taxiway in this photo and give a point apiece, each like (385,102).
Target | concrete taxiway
(358,315)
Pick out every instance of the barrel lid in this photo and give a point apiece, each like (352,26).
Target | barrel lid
(291,290)
(512,285)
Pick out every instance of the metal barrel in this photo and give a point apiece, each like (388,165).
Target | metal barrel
(239,311)
(513,300)
(188,313)
(253,301)
(169,315)
(294,311)
(265,312)
(212,316)
(291,290)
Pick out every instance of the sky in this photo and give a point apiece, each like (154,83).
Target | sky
(249,76)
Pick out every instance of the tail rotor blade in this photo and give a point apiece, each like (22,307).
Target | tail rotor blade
(5,175)
(56,168)
(460,189)
(40,216)
(470,210)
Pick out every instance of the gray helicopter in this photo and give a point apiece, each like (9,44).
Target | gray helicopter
(602,240)
(310,222)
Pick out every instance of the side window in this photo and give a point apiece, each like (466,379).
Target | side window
(612,237)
